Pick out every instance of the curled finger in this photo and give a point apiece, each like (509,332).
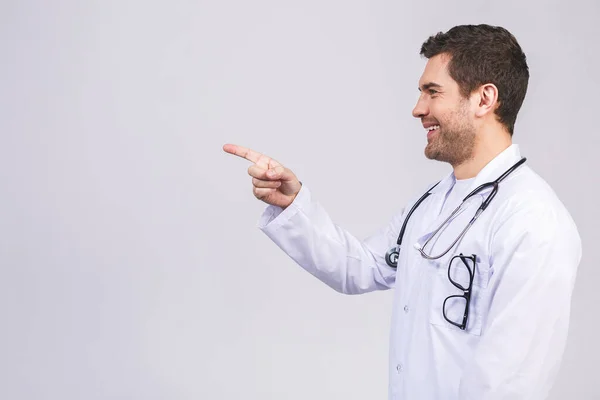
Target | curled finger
(257,172)
(261,193)
(259,183)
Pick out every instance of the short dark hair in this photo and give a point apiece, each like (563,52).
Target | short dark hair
(481,54)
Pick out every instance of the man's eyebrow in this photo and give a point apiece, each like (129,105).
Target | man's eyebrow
(429,85)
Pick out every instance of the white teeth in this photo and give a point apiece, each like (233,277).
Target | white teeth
(432,127)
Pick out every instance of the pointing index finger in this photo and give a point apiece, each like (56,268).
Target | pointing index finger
(243,152)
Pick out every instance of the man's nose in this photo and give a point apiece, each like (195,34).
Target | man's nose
(421,108)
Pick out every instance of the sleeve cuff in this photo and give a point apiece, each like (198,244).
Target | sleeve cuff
(274,217)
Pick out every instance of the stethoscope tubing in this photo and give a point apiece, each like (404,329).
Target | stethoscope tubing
(392,255)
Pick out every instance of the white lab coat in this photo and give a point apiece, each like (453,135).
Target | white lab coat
(528,250)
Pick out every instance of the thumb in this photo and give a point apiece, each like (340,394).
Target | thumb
(280,173)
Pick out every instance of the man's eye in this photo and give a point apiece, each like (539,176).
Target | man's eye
(432,91)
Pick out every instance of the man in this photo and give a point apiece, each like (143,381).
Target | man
(481,310)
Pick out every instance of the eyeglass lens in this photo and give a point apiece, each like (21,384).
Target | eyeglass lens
(460,274)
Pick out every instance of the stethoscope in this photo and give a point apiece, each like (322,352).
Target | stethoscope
(392,255)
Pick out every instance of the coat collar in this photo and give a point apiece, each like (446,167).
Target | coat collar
(498,165)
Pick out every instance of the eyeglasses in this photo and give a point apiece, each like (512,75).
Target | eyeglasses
(461,272)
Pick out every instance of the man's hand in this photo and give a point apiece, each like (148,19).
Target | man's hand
(273,183)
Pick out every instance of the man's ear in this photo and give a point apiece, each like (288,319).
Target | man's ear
(487,97)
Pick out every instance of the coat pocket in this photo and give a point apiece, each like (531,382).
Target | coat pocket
(443,288)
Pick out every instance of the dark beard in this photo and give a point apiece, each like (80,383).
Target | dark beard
(452,144)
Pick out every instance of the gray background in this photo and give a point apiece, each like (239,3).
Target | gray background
(131,266)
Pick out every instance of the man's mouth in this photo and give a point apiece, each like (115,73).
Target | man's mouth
(431,130)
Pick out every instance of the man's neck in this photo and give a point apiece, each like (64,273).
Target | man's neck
(485,151)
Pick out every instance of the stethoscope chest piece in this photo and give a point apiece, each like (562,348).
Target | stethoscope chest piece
(391,257)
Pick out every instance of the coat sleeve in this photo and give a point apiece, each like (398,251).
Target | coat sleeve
(307,234)
(534,254)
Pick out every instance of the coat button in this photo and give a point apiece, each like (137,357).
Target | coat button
(399,368)
(406,309)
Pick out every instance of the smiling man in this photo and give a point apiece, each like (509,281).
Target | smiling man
(483,263)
